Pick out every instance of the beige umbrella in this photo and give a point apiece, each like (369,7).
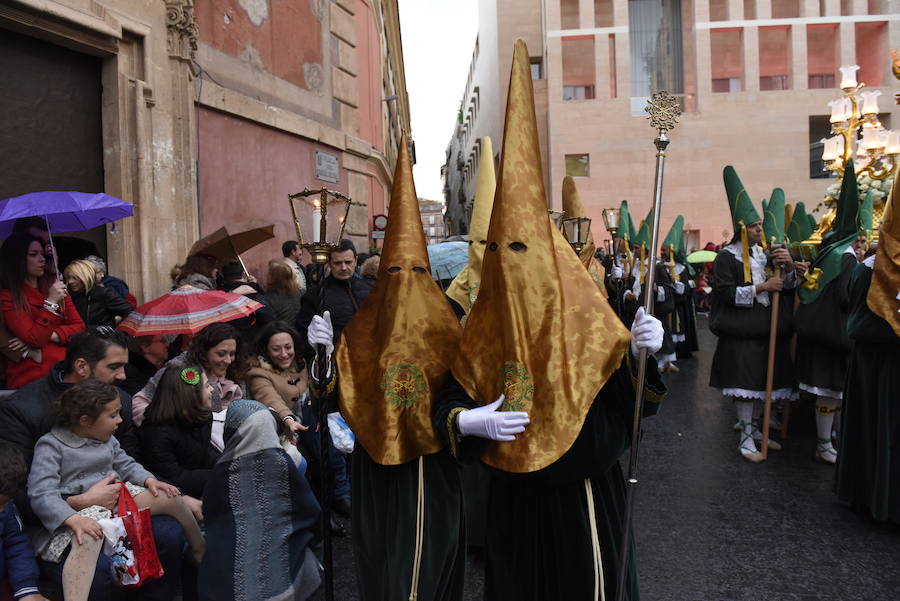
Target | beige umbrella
(231,240)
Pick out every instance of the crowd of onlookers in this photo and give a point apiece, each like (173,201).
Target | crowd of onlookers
(174,418)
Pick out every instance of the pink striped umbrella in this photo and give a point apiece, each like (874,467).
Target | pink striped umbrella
(187,310)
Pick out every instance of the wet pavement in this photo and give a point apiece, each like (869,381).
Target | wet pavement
(711,526)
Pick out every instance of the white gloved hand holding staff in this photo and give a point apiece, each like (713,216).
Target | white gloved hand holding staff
(646,333)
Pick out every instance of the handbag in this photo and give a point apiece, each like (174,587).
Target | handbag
(129,544)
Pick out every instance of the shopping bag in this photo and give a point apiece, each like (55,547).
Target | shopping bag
(139,535)
(117,547)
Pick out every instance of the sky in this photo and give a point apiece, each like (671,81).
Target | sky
(438,40)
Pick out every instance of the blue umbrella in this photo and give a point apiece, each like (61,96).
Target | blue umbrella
(64,211)
(447,259)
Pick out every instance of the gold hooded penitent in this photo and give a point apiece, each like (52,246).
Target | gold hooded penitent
(464,288)
(572,207)
(885,287)
(540,331)
(395,355)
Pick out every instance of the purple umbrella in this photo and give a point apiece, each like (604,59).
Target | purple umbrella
(64,211)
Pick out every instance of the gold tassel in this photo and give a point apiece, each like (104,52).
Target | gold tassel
(745,250)
(763,240)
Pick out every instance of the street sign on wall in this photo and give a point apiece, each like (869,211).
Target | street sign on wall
(327,167)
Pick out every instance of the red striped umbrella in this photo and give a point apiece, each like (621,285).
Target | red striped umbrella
(187,310)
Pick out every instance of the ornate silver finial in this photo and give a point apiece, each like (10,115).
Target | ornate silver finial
(664,111)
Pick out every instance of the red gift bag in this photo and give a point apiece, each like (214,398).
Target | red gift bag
(139,529)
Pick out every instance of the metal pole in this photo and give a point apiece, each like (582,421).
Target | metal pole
(324,449)
(663,110)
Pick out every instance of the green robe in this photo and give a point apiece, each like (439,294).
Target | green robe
(868,466)
(538,543)
(384,528)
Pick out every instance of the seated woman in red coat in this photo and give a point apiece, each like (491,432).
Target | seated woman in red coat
(35,310)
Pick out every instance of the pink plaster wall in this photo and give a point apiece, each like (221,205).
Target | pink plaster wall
(368,77)
(280,36)
(247,171)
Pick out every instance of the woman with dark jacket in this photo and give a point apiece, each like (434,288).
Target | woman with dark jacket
(175,438)
(96,304)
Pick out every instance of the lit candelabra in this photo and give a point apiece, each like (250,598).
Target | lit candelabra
(876,153)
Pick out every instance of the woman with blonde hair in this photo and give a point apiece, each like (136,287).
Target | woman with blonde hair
(96,304)
(284,290)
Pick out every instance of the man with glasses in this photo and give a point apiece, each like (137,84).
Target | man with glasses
(99,353)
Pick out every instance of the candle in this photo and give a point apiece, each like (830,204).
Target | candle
(893,144)
(848,76)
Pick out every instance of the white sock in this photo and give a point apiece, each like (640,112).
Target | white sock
(824,420)
(744,411)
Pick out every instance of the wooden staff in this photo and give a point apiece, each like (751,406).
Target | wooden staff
(770,367)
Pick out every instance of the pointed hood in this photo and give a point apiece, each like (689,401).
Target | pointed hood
(773,218)
(885,287)
(643,235)
(743,213)
(798,229)
(844,232)
(675,238)
(627,230)
(572,207)
(867,215)
(395,355)
(540,332)
(464,287)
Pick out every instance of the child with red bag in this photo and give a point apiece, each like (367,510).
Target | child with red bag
(73,456)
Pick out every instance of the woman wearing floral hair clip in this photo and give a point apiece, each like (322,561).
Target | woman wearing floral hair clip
(176,434)
(218,350)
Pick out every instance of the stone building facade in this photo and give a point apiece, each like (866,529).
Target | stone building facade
(432,212)
(755,77)
(201,114)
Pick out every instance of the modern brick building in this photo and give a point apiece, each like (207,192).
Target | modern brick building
(755,77)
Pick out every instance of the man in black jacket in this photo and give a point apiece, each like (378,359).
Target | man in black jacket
(344,294)
(99,353)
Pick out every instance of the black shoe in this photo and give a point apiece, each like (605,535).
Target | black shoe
(337,529)
(342,506)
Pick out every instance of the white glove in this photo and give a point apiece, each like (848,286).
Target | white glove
(616,272)
(320,331)
(487,422)
(679,288)
(646,333)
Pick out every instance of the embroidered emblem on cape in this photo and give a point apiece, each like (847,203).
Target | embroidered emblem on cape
(403,385)
(516,384)
(812,279)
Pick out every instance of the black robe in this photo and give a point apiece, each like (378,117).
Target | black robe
(823,347)
(684,319)
(868,466)
(539,537)
(384,528)
(742,350)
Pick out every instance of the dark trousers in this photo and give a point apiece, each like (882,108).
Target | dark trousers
(170,545)
(309,446)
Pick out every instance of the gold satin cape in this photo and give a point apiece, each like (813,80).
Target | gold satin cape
(882,298)
(540,331)
(572,207)
(395,354)
(464,287)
